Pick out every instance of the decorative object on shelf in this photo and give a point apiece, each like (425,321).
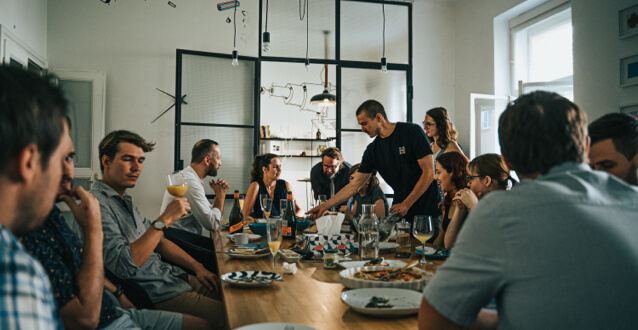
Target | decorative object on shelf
(266,35)
(325,99)
(227,5)
(384,60)
(628,22)
(629,71)
(172,105)
(321,149)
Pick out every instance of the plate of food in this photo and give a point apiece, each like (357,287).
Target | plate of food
(251,278)
(383,302)
(373,277)
(373,262)
(432,253)
(251,237)
(384,247)
(248,253)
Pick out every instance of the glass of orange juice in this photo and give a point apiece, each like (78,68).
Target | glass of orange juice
(176,184)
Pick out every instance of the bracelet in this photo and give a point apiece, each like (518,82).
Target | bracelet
(118,291)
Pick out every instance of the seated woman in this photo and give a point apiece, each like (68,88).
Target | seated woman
(441,132)
(485,173)
(369,193)
(264,179)
(451,174)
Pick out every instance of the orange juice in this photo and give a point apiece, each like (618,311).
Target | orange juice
(274,246)
(177,191)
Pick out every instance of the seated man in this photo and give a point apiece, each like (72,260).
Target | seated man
(134,247)
(614,146)
(76,270)
(205,161)
(34,138)
(330,175)
(558,251)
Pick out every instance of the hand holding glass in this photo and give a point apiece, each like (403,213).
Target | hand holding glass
(423,231)
(273,230)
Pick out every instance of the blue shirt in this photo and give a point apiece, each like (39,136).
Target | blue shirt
(26,301)
(123,224)
(558,252)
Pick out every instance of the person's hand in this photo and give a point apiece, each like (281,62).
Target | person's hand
(316,212)
(220,187)
(87,212)
(124,302)
(401,208)
(175,209)
(208,279)
(467,198)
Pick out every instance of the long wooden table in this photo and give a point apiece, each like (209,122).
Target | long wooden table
(311,297)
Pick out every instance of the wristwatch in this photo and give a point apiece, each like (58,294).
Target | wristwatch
(159,225)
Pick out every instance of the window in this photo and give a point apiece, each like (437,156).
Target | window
(541,53)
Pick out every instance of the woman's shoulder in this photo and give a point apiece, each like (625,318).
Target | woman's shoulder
(453,146)
(377,191)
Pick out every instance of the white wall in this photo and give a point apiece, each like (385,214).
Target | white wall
(27,19)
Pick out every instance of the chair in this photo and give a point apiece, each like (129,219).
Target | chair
(199,247)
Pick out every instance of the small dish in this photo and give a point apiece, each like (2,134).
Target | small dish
(432,253)
(245,254)
(384,247)
(405,302)
(251,278)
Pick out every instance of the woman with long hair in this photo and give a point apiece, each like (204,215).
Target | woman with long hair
(264,179)
(451,174)
(485,173)
(441,132)
(369,193)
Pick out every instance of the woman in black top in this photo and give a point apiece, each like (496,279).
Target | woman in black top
(451,174)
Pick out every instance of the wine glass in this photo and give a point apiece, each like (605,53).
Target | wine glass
(423,231)
(241,202)
(176,184)
(266,204)
(273,229)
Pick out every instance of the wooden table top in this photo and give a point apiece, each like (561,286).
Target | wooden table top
(311,297)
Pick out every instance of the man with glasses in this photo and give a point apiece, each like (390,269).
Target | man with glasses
(330,175)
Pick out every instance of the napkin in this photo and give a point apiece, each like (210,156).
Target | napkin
(330,224)
(289,268)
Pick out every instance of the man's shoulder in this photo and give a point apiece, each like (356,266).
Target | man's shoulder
(316,167)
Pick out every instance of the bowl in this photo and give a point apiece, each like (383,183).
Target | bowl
(258,228)
(302,224)
(349,281)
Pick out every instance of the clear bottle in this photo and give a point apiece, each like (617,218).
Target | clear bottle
(236,217)
(368,233)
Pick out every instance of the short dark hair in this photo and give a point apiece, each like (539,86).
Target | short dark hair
(110,144)
(371,108)
(201,149)
(32,111)
(621,128)
(260,161)
(541,130)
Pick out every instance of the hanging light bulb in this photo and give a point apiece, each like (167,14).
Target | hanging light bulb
(235,57)
(307,62)
(266,40)
(384,65)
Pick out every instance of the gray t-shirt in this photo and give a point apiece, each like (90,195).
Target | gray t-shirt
(558,252)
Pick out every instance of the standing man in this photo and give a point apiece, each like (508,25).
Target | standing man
(205,161)
(34,136)
(134,247)
(330,175)
(526,246)
(614,146)
(401,154)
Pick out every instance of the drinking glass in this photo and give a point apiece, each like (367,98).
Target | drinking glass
(266,204)
(423,231)
(322,199)
(273,229)
(241,202)
(176,184)
(282,206)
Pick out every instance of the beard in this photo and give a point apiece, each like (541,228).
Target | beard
(632,176)
(211,171)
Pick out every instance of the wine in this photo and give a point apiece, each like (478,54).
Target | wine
(289,223)
(177,191)
(423,237)
(274,246)
(236,218)
(241,204)
(267,214)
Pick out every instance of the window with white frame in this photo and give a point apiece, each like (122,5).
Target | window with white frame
(541,51)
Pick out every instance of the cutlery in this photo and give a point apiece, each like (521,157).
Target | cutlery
(406,267)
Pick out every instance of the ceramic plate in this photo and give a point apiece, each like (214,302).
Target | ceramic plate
(250,278)
(384,247)
(241,254)
(251,237)
(405,302)
(391,263)
(431,253)
(276,326)
(349,281)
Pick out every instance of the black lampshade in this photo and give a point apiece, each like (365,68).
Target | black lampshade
(324,99)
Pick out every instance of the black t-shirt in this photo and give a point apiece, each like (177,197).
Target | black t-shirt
(395,158)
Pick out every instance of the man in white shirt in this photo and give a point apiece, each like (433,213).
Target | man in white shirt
(205,161)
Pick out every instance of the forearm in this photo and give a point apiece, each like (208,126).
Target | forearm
(174,254)
(343,195)
(144,246)
(218,202)
(421,186)
(454,227)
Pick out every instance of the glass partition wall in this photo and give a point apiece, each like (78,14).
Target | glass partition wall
(263,105)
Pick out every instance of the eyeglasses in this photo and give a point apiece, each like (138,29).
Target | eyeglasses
(470,177)
(334,167)
(428,125)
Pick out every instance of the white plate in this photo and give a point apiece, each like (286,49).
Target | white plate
(251,237)
(275,326)
(384,247)
(250,278)
(348,280)
(406,302)
(391,264)
(237,255)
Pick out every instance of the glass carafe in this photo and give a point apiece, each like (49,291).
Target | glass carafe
(368,233)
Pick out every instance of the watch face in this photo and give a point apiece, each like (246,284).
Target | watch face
(159,225)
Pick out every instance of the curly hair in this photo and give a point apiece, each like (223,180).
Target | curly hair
(456,165)
(260,161)
(492,165)
(444,126)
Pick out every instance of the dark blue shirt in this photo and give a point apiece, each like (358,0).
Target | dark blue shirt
(279,194)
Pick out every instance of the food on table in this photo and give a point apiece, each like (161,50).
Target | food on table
(379,302)
(376,262)
(400,276)
(252,251)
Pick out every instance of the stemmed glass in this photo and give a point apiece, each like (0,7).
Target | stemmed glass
(176,184)
(423,231)
(266,204)
(273,229)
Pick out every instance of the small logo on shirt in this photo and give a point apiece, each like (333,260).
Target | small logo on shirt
(401,150)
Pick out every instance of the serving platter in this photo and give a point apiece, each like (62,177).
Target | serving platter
(405,302)
(349,281)
(391,263)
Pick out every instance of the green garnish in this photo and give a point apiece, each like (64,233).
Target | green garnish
(379,302)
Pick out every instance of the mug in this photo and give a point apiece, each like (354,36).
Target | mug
(240,239)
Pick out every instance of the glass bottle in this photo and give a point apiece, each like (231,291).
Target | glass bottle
(289,223)
(368,233)
(236,218)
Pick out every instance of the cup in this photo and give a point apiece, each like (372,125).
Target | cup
(240,239)
(403,234)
